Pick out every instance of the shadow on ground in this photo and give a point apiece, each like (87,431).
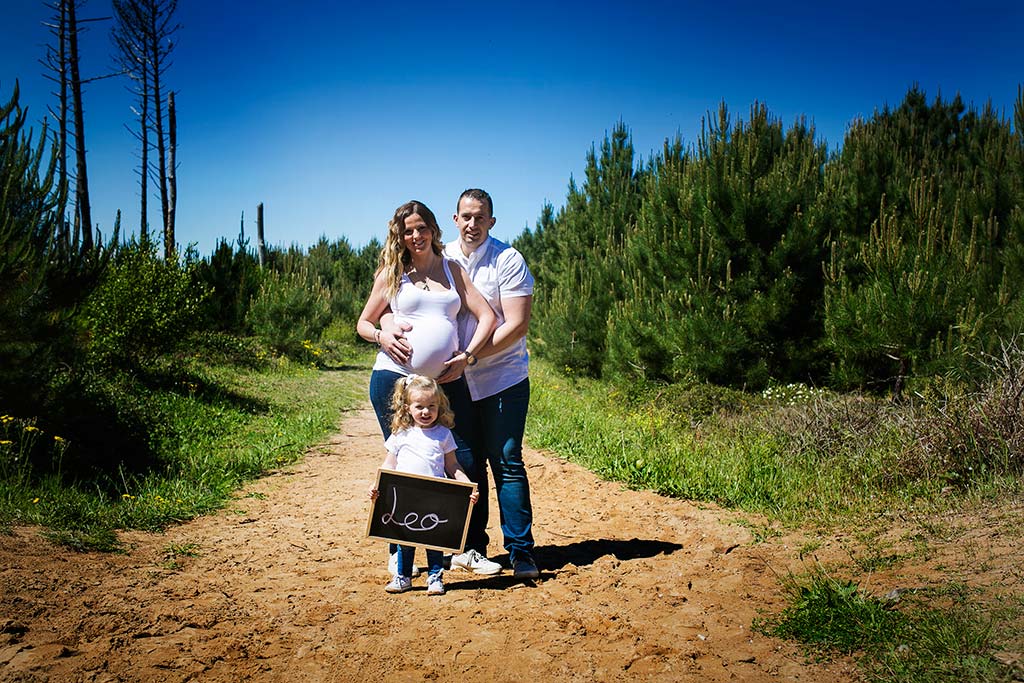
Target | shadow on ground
(551,558)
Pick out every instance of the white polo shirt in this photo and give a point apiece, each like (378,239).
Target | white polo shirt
(500,272)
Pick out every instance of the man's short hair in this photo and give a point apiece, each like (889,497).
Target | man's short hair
(480,196)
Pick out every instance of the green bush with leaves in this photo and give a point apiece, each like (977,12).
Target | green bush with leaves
(923,278)
(233,276)
(289,312)
(144,306)
(576,256)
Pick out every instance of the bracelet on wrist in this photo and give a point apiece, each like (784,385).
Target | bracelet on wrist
(376,337)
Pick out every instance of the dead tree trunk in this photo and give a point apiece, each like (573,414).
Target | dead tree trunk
(172,179)
(83,211)
(261,250)
(57,62)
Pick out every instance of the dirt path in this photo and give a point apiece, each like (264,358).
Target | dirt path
(286,588)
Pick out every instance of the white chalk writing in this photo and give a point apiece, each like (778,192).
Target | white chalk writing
(412,520)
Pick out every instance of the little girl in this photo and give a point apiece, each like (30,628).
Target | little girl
(421,442)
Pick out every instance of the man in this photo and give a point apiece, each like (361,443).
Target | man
(498,379)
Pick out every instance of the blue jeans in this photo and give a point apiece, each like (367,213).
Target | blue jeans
(382,385)
(406,555)
(499,427)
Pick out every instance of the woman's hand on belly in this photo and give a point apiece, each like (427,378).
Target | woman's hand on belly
(393,340)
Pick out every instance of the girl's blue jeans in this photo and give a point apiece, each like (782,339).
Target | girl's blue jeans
(406,554)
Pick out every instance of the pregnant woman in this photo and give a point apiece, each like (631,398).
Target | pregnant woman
(416,283)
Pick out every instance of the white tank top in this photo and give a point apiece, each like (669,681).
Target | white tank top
(434,336)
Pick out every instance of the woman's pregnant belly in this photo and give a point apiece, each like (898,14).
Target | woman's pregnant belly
(434,340)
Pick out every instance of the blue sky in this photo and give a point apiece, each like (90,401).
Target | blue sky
(333,113)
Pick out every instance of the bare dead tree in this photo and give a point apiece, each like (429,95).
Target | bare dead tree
(143,36)
(172,149)
(261,249)
(84,212)
(63,61)
(159,32)
(56,62)
(131,56)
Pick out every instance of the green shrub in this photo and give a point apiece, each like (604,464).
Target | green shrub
(144,306)
(45,271)
(289,312)
(233,276)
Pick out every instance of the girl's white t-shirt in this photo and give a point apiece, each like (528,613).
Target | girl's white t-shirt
(421,451)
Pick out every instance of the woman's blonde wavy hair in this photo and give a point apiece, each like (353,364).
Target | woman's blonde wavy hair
(394,257)
(401,418)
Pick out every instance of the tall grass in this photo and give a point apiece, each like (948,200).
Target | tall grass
(791,452)
(701,443)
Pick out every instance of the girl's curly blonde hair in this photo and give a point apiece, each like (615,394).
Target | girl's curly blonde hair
(401,418)
(394,257)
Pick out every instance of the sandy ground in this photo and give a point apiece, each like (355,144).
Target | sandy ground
(284,586)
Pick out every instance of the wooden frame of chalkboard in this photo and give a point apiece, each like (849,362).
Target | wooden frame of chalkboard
(428,512)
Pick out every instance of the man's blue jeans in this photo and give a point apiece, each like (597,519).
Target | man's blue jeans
(500,422)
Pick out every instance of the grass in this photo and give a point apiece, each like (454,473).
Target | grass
(734,456)
(926,636)
(798,455)
(222,426)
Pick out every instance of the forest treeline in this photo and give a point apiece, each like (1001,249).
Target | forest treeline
(760,257)
(756,257)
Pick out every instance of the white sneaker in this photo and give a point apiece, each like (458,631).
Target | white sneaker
(399,584)
(393,566)
(472,561)
(435,585)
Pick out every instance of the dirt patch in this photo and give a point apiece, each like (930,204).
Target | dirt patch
(283,586)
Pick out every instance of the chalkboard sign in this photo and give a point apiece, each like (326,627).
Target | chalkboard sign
(428,512)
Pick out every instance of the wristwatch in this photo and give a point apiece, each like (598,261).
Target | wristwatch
(470,358)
